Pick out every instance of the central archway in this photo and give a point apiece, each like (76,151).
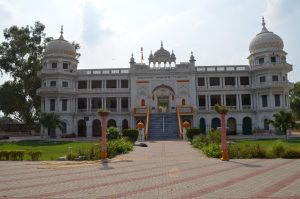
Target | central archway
(164,96)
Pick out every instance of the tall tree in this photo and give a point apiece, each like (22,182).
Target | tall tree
(20,57)
(295,100)
(283,121)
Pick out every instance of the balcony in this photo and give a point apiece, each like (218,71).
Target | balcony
(269,66)
(55,71)
(47,90)
(273,84)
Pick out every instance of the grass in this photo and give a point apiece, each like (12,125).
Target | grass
(50,151)
(267,144)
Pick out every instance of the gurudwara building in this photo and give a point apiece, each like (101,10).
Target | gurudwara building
(163,93)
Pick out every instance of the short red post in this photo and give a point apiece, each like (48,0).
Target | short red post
(103,114)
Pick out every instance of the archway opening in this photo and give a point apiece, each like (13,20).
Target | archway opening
(125,124)
(231,124)
(81,128)
(202,125)
(97,130)
(215,123)
(247,126)
(111,123)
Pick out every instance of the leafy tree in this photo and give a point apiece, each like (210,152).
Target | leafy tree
(20,56)
(283,121)
(51,121)
(295,100)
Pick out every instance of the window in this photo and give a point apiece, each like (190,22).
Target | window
(214,81)
(82,84)
(229,81)
(244,81)
(262,79)
(96,83)
(65,84)
(283,78)
(54,65)
(64,104)
(96,103)
(246,100)
(201,100)
(65,66)
(124,83)
(264,99)
(111,103)
(230,100)
(215,99)
(201,81)
(124,102)
(81,104)
(273,59)
(261,60)
(275,78)
(277,100)
(111,83)
(52,104)
(52,83)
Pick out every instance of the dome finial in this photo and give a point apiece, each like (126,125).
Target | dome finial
(264,29)
(161,44)
(61,32)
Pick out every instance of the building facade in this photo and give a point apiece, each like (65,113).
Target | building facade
(253,92)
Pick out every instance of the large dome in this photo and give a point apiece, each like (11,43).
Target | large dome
(265,40)
(60,46)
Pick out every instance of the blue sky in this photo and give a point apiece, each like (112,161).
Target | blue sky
(217,31)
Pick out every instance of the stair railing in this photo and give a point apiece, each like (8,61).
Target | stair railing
(179,123)
(147,123)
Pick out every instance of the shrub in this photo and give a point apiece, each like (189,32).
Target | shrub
(214,136)
(246,151)
(190,133)
(72,155)
(118,146)
(131,134)
(199,141)
(70,135)
(278,148)
(91,153)
(291,153)
(212,151)
(35,155)
(4,155)
(112,133)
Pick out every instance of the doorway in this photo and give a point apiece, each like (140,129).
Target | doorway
(163,104)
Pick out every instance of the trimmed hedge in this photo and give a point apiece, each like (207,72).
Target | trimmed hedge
(131,134)
(112,133)
(35,155)
(19,155)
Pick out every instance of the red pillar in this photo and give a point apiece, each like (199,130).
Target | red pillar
(223,139)
(103,138)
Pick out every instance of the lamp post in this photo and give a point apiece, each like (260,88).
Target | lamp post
(140,126)
(222,110)
(186,125)
(103,114)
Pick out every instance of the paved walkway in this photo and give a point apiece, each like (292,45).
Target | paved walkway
(165,169)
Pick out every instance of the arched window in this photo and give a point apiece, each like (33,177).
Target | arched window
(125,124)
(81,128)
(183,102)
(247,126)
(111,123)
(215,123)
(266,125)
(64,129)
(202,125)
(142,102)
(97,128)
(231,124)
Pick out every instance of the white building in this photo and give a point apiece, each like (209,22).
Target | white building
(184,90)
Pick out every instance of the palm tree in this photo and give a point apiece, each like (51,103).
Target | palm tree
(51,121)
(283,121)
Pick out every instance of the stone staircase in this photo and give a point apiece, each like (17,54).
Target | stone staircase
(163,126)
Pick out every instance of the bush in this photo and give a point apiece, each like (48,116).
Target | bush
(118,146)
(72,155)
(112,133)
(291,153)
(212,151)
(190,133)
(199,141)
(91,153)
(246,151)
(214,136)
(131,134)
(35,155)
(278,148)
(4,155)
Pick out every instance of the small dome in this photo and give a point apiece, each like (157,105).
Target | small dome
(162,53)
(60,46)
(265,40)
(151,56)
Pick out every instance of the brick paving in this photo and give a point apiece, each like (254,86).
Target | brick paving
(164,169)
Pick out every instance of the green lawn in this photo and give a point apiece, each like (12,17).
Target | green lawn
(268,143)
(50,151)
